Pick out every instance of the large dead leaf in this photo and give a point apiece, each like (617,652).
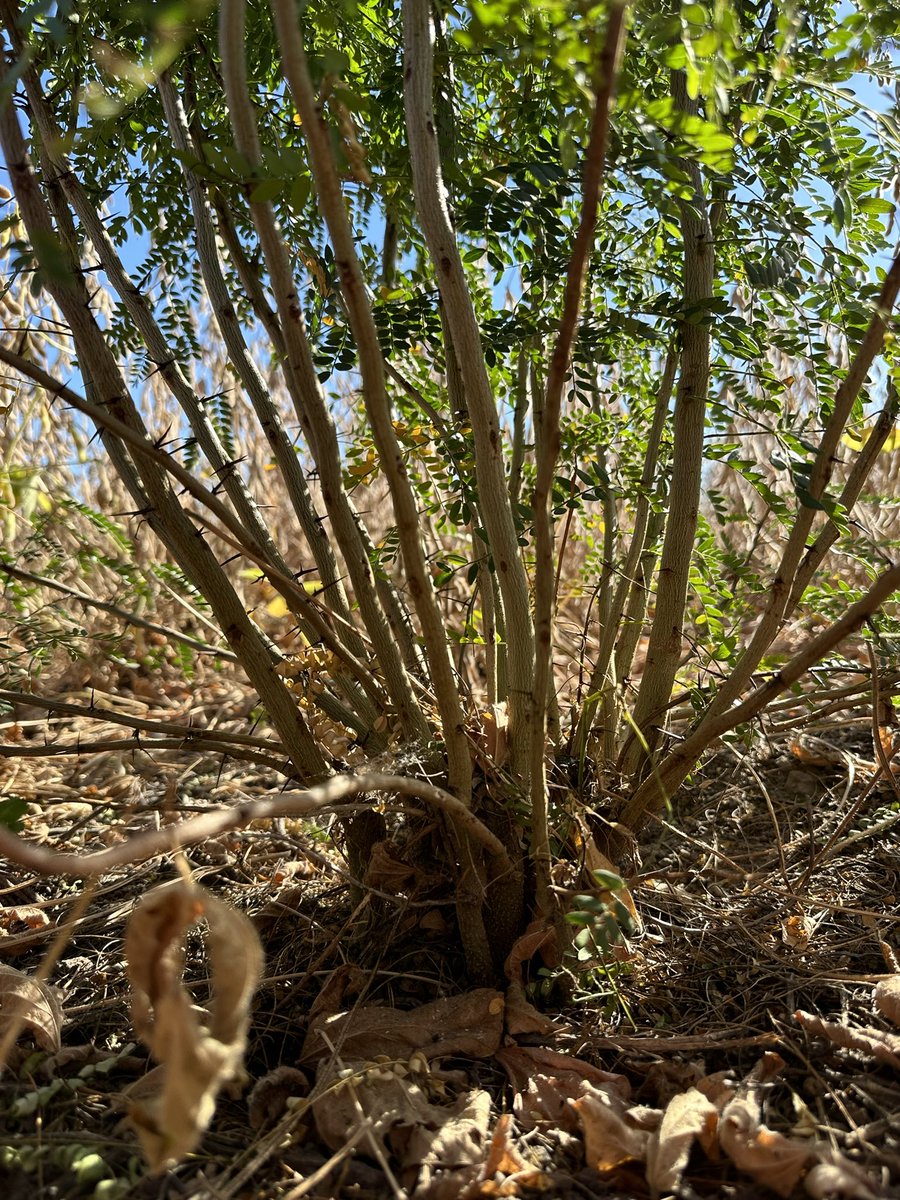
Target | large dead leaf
(521,1015)
(200,1052)
(451,1155)
(470,1025)
(688,1117)
(523,1018)
(772,1159)
(439,1147)
(545,1080)
(31,1006)
(612,1135)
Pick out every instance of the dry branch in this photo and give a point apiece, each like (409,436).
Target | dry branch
(496,511)
(548,443)
(114,610)
(289,804)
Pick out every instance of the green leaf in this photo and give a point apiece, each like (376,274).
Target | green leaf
(12,810)
(267,190)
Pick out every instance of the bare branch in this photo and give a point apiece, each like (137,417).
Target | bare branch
(147,745)
(371,364)
(494,499)
(865,460)
(549,441)
(167,840)
(95,712)
(136,303)
(123,614)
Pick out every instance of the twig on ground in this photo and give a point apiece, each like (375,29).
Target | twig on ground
(96,713)
(147,745)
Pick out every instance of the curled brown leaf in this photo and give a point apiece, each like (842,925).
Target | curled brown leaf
(32,1006)
(199,1054)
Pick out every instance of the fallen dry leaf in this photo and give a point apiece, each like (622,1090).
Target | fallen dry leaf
(610,1138)
(27,915)
(545,1080)
(492,731)
(688,1117)
(718,1088)
(885,1047)
(439,1147)
(198,1056)
(21,927)
(505,1171)
(503,1157)
(887,998)
(268,1101)
(522,1017)
(838,1179)
(470,1025)
(30,1005)
(796,932)
(450,1156)
(525,948)
(387,871)
(772,1159)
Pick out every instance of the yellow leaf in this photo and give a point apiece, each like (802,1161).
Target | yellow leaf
(856,442)
(277,607)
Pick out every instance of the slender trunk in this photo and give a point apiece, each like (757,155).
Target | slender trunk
(605,674)
(490,473)
(306,391)
(665,647)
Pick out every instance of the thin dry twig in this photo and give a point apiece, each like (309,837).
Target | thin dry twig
(147,745)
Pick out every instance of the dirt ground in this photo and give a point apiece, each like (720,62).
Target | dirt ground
(770,888)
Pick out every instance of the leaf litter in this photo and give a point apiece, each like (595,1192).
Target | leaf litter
(378,1086)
